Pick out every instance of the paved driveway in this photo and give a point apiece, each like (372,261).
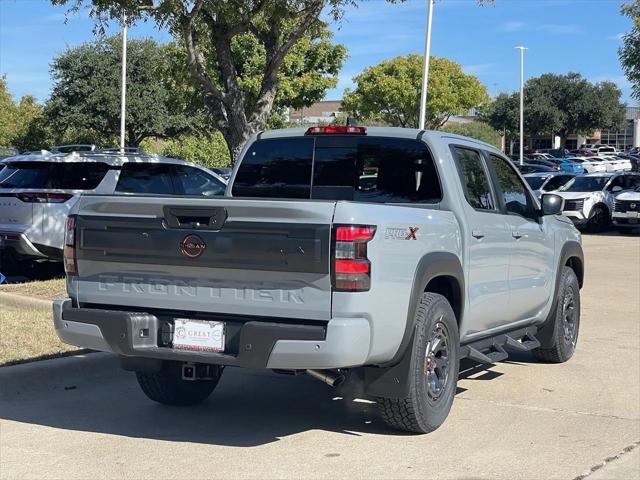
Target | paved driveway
(81,417)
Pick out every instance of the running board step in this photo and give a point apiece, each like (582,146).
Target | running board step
(496,349)
(487,358)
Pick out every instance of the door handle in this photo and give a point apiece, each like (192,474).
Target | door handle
(477,234)
(516,234)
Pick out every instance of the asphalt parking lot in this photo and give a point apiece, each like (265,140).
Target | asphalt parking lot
(81,417)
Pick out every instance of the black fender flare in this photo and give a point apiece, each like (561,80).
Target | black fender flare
(390,380)
(570,250)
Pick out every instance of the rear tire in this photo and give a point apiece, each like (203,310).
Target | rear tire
(168,388)
(434,370)
(566,321)
(599,220)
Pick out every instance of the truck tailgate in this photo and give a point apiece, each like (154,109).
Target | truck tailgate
(225,255)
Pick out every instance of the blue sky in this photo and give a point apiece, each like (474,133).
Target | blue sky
(562,36)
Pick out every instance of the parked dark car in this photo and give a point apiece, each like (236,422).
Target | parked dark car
(534,168)
(557,152)
(545,163)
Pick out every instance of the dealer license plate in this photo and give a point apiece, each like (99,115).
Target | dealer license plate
(198,335)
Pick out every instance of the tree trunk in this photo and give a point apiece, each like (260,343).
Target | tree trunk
(226,100)
(235,138)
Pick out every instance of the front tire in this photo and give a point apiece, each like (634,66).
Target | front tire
(434,370)
(599,220)
(566,321)
(168,388)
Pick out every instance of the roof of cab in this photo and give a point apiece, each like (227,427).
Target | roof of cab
(396,132)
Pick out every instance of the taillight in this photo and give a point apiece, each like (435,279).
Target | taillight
(337,130)
(43,197)
(351,268)
(70,263)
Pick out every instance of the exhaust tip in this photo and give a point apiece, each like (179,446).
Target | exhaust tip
(327,376)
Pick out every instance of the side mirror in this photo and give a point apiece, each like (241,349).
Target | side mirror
(552,204)
(616,189)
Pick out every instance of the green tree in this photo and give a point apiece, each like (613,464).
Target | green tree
(557,105)
(21,123)
(207,150)
(564,104)
(629,53)
(389,92)
(503,114)
(309,69)
(86,95)
(478,130)
(208,30)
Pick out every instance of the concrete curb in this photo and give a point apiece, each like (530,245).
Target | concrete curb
(12,300)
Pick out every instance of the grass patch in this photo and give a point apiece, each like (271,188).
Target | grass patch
(28,334)
(44,289)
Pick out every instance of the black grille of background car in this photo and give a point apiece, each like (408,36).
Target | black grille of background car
(573,205)
(628,206)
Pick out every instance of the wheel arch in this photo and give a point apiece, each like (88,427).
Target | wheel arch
(602,205)
(571,256)
(436,272)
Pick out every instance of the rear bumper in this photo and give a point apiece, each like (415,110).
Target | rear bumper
(256,344)
(20,244)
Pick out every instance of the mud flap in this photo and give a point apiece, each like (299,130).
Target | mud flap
(392,381)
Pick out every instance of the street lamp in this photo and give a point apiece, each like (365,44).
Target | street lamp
(522,49)
(123,81)
(123,93)
(425,65)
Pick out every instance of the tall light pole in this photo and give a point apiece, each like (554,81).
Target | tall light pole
(425,65)
(123,94)
(522,49)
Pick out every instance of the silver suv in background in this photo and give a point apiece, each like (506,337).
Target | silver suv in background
(589,199)
(626,210)
(37,192)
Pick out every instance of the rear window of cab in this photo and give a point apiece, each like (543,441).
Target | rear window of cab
(339,167)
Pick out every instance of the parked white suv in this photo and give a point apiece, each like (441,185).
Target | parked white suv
(589,199)
(626,210)
(37,191)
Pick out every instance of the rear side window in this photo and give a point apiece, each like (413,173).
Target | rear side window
(152,178)
(335,167)
(53,175)
(375,169)
(276,168)
(193,181)
(473,177)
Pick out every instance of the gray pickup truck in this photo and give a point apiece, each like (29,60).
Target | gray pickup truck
(381,255)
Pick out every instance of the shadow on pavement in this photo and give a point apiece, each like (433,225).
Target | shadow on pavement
(29,271)
(248,408)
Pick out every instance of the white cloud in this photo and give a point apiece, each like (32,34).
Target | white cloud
(617,37)
(559,28)
(55,18)
(478,68)
(513,26)
(552,28)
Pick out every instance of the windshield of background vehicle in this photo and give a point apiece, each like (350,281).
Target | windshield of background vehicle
(585,184)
